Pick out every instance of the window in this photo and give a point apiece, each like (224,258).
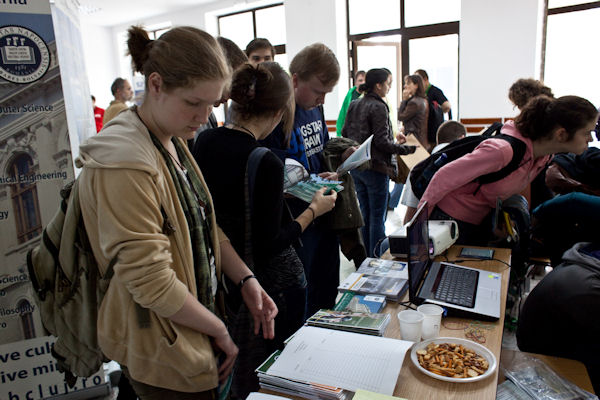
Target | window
(426,32)
(26,319)
(369,16)
(419,12)
(270,24)
(438,55)
(155,34)
(24,198)
(571,69)
(263,22)
(239,28)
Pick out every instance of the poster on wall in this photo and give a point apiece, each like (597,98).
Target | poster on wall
(35,163)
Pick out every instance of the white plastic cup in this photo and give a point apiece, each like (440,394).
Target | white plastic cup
(411,323)
(432,320)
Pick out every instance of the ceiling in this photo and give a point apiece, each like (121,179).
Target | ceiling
(115,12)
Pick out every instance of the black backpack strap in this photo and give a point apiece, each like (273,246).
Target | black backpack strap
(252,164)
(519,147)
(493,130)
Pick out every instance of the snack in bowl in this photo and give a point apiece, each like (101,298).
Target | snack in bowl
(452,360)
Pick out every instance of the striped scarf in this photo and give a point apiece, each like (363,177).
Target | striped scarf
(196,207)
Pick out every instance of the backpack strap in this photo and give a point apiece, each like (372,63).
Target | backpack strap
(493,130)
(519,147)
(252,164)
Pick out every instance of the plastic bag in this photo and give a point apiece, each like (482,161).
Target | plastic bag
(539,381)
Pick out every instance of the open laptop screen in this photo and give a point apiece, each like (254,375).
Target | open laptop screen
(417,233)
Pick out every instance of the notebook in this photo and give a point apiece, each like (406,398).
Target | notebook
(463,291)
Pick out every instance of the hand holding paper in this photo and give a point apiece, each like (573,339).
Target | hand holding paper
(356,159)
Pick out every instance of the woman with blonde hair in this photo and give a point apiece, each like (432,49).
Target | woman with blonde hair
(149,215)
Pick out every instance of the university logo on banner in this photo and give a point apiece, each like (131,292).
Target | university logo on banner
(25,56)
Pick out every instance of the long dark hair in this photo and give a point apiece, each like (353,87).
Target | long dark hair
(542,114)
(417,80)
(373,77)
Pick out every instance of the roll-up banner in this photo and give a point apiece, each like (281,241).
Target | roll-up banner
(45,111)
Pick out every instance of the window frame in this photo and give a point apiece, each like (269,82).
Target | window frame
(279,48)
(556,11)
(26,317)
(406,34)
(17,192)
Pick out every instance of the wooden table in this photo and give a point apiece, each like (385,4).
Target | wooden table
(413,384)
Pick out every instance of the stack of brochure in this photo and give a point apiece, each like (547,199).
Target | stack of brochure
(296,387)
(350,301)
(378,277)
(367,323)
(328,364)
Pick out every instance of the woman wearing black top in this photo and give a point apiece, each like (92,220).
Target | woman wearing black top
(261,97)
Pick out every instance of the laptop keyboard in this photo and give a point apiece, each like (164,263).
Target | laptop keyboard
(457,286)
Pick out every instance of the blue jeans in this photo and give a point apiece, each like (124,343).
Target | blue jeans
(372,190)
(395,195)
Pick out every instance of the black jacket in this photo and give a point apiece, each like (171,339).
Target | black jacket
(368,116)
(560,315)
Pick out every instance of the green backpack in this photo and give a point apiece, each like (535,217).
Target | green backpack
(69,288)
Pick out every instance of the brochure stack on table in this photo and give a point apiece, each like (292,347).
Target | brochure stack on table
(378,277)
(367,323)
(296,387)
(350,301)
(321,363)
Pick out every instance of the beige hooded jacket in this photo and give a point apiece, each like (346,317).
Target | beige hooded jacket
(123,184)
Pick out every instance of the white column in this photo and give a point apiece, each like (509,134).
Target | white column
(324,21)
(499,43)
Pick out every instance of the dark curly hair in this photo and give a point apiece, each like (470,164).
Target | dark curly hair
(523,90)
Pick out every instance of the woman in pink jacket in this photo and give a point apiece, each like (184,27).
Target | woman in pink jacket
(545,125)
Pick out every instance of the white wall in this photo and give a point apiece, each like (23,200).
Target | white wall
(307,22)
(324,21)
(498,42)
(100,61)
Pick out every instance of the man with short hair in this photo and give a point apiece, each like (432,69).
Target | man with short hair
(353,94)
(260,50)
(98,114)
(438,105)
(447,133)
(122,91)
(315,72)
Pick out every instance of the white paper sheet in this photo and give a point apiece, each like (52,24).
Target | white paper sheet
(347,360)
(264,396)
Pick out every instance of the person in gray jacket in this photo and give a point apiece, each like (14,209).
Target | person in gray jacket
(560,316)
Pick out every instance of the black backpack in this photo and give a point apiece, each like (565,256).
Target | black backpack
(423,172)
(435,118)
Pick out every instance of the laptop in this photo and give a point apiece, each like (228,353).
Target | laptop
(463,291)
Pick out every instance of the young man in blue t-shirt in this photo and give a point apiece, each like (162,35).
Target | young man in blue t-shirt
(315,72)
